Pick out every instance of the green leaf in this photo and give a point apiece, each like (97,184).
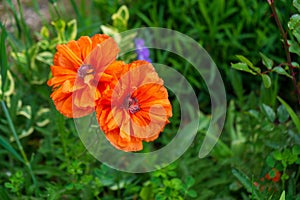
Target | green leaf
(282,114)
(44,32)
(296,4)
(280,70)
(269,112)
(71,30)
(190,181)
(192,193)
(282,197)
(294,26)
(45,57)
(10,149)
(272,173)
(266,61)
(266,80)
(295,64)
(294,47)
(60,27)
(3,194)
(242,67)
(294,22)
(245,181)
(277,155)
(270,161)
(293,115)
(248,62)
(296,150)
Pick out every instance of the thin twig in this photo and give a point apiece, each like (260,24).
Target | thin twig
(283,34)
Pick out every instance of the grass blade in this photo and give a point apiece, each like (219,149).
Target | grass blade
(15,14)
(78,15)
(245,181)
(13,130)
(3,57)
(10,149)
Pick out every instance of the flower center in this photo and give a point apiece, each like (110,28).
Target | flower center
(84,70)
(132,105)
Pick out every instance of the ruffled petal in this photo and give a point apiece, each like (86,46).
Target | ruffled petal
(102,55)
(114,138)
(85,44)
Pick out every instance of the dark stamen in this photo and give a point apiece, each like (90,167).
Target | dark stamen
(84,70)
(132,105)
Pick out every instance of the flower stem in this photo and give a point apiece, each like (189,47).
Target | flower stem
(283,34)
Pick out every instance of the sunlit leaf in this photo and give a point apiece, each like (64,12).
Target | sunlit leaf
(280,70)
(266,61)
(282,197)
(266,80)
(249,63)
(242,67)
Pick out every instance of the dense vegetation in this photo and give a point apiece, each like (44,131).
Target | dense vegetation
(258,153)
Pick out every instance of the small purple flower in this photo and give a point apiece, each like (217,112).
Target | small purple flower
(143,52)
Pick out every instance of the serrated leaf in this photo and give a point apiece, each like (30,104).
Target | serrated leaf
(280,70)
(242,67)
(266,61)
(248,62)
(266,80)
(282,114)
(269,112)
(293,115)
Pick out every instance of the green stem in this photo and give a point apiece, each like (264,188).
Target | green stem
(56,9)
(286,48)
(13,130)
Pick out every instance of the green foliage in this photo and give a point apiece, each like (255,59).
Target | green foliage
(42,157)
(247,66)
(16,183)
(163,184)
(245,180)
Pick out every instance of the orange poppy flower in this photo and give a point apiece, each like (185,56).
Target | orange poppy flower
(135,108)
(78,66)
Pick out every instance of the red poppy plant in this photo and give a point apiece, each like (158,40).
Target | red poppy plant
(135,108)
(79,68)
